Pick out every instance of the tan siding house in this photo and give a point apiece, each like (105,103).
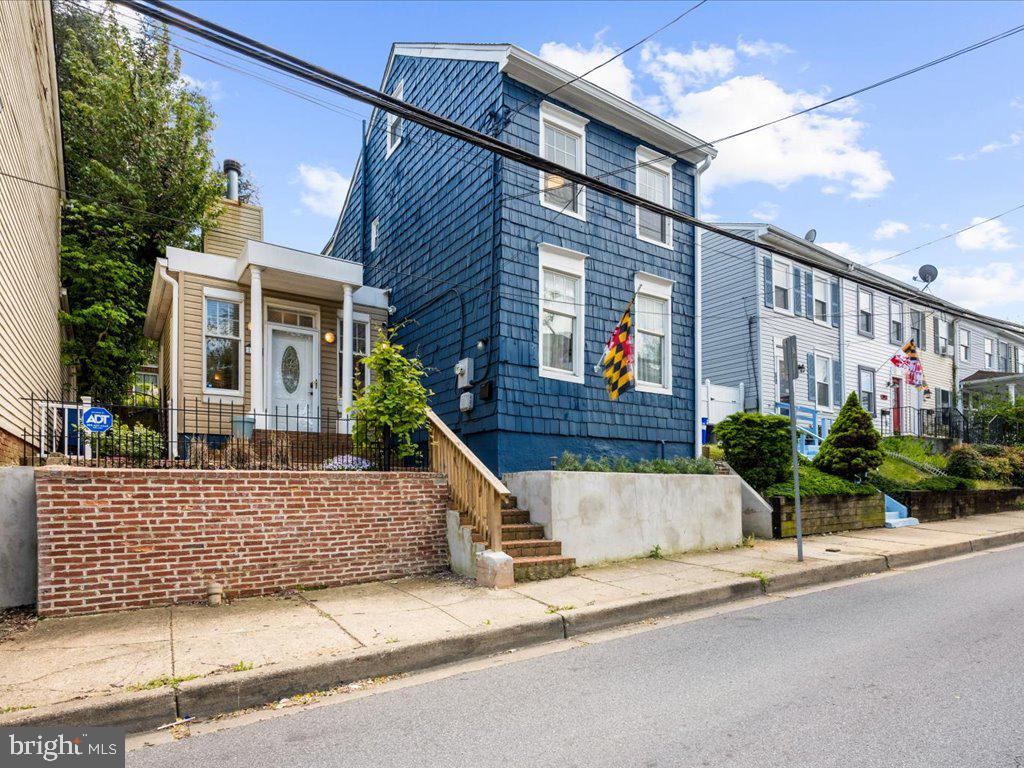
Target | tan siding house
(255,332)
(30,147)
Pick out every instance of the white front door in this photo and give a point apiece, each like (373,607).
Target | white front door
(294,389)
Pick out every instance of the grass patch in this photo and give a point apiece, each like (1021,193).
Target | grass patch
(761,576)
(814,482)
(557,608)
(242,666)
(749,540)
(920,451)
(160,682)
(901,472)
(22,708)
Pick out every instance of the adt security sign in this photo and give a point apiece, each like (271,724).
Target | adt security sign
(97,420)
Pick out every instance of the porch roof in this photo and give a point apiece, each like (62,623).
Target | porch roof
(987,379)
(296,272)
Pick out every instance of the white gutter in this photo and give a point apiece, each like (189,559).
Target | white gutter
(697,308)
(172,422)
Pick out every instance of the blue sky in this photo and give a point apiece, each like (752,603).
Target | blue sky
(898,166)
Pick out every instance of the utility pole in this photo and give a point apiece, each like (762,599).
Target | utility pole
(792,370)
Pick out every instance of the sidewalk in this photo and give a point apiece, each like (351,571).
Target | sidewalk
(145,668)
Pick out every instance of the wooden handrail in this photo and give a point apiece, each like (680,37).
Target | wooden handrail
(474,488)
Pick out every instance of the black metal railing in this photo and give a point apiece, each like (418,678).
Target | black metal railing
(202,434)
(946,423)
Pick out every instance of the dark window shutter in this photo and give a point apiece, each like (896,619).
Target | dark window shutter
(798,308)
(837,384)
(836,308)
(922,343)
(810,379)
(809,294)
(769,288)
(935,332)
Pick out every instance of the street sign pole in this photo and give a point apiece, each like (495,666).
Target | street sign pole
(792,368)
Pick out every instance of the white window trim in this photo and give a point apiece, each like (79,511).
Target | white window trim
(658,162)
(874,325)
(398,93)
(357,317)
(646,284)
(903,321)
(778,358)
(790,310)
(831,384)
(815,277)
(960,345)
(239,299)
(573,263)
(374,234)
(989,354)
(572,123)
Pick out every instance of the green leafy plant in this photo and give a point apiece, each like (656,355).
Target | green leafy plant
(568,462)
(898,488)
(916,449)
(851,448)
(757,446)
(681,465)
(242,666)
(814,482)
(394,404)
(137,443)
(655,553)
(964,461)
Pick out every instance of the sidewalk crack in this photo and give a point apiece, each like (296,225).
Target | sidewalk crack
(330,618)
(174,663)
(427,602)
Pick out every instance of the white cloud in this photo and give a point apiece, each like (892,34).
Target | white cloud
(674,70)
(323,189)
(209,88)
(615,77)
(990,236)
(758,48)
(823,144)
(982,287)
(865,257)
(1017,102)
(765,212)
(1013,140)
(888,229)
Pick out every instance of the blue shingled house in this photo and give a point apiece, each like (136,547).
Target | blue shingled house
(509,282)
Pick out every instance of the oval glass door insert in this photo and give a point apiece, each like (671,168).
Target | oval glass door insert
(290,369)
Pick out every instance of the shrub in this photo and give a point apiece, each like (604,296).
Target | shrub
(757,446)
(964,461)
(347,463)
(570,462)
(137,443)
(200,454)
(851,448)
(276,450)
(814,482)
(988,450)
(236,453)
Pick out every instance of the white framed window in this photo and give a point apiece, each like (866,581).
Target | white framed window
(396,124)
(374,234)
(562,318)
(1020,359)
(223,321)
(360,350)
(866,388)
(290,316)
(782,286)
(822,299)
(652,333)
(823,381)
(563,140)
(896,326)
(865,312)
(990,354)
(964,344)
(1003,353)
(654,183)
(783,386)
(945,337)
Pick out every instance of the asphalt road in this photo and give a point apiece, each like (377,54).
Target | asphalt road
(924,668)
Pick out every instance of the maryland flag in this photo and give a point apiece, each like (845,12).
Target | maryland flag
(618,357)
(909,359)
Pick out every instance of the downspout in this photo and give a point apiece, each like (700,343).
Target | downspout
(172,421)
(362,203)
(697,309)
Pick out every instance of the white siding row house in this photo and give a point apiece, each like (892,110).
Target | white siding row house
(849,321)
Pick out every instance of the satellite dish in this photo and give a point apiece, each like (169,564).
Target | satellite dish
(811,235)
(927,273)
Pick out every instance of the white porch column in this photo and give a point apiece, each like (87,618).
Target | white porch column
(258,404)
(1011,391)
(346,353)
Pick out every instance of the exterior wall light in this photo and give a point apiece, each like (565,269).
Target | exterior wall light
(329,337)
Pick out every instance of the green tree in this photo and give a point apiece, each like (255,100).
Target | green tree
(395,401)
(851,448)
(139,171)
(757,446)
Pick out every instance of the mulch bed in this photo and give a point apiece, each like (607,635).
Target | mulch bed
(16,620)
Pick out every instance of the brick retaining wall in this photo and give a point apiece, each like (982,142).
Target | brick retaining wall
(111,539)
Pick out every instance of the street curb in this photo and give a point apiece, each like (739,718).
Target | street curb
(598,617)
(997,540)
(838,571)
(140,711)
(928,554)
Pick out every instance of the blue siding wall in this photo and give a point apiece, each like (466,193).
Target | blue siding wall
(540,417)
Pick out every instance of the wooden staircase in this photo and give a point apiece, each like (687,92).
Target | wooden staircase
(533,556)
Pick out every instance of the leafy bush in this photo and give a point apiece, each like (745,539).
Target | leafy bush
(851,448)
(988,450)
(347,463)
(570,462)
(236,453)
(814,482)
(895,488)
(757,446)
(137,443)
(964,461)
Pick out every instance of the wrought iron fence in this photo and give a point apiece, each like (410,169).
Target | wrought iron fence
(201,434)
(946,423)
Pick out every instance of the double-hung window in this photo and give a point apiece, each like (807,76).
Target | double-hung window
(944,340)
(990,354)
(895,322)
(917,328)
(360,349)
(782,286)
(823,381)
(562,320)
(563,140)
(654,183)
(222,341)
(865,312)
(964,344)
(822,299)
(652,338)
(866,388)
(396,124)
(1004,357)
(782,383)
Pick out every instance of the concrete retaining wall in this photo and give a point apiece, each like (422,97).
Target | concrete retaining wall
(827,514)
(17,536)
(602,516)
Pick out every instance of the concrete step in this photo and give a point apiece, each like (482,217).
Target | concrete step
(537,568)
(532,548)
(514,515)
(519,531)
(511,502)
(901,522)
